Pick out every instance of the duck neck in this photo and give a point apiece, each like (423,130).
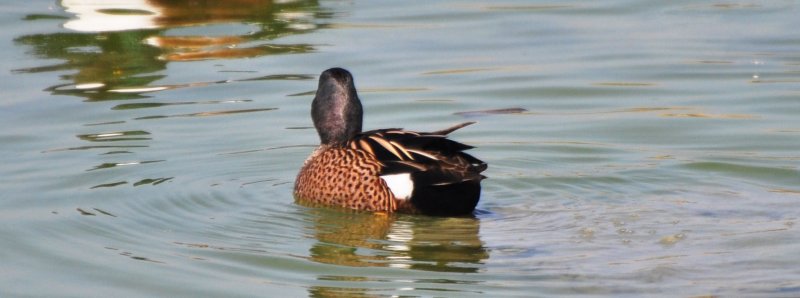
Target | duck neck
(336,112)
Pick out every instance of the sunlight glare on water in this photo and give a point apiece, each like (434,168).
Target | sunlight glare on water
(634,148)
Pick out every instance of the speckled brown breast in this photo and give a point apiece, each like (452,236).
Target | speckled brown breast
(343,177)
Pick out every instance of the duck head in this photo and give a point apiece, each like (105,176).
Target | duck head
(336,109)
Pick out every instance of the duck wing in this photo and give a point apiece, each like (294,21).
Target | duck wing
(440,173)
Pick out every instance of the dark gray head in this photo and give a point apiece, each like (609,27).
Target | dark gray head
(336,110)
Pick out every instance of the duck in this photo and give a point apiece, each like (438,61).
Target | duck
(384,170)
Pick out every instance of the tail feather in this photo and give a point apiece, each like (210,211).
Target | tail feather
(453,128)
(447,199)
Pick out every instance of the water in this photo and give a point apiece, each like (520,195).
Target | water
(634,148)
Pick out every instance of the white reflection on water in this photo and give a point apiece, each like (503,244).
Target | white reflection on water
(111,15)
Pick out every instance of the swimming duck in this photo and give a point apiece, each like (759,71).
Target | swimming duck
(383,170)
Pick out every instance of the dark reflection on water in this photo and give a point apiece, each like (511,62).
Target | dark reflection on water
(356,239)
(146,181)
(119,50)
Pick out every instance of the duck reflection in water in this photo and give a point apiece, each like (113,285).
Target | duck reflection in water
(361,239)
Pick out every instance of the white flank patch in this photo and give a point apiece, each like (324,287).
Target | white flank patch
(401,185)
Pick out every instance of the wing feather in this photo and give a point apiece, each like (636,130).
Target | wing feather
(441,160)
(386,144)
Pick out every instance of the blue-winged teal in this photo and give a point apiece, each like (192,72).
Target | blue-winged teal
(385,170)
